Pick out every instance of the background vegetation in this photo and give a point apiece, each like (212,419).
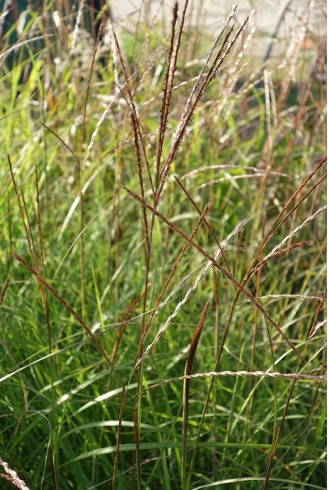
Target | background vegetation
(162,258)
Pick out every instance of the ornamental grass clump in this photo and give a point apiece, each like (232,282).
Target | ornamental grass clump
(163,280)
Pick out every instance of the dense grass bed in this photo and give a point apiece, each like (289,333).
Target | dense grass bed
(162,262)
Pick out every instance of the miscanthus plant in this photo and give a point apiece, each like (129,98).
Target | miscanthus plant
(162,258)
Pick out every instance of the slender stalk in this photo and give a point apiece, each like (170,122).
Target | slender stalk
(239,286)
(70,310)
(186,389)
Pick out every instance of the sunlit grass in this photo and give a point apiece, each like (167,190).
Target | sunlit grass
(118,231)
